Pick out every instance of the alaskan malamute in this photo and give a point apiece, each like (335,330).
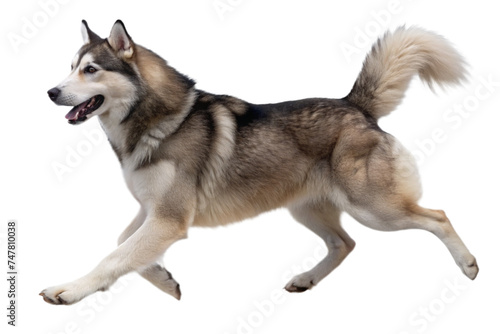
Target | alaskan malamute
(191,158)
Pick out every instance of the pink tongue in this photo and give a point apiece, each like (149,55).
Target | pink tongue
(73,113)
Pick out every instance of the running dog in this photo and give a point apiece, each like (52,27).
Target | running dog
(191,158)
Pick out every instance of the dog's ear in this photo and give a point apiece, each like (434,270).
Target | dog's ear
(120,40)
(88,35)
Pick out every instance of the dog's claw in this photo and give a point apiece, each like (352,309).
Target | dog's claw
(300,283)
(294,288)
(49,300)
(177,293)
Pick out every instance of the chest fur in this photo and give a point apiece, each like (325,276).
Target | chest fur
(149,185)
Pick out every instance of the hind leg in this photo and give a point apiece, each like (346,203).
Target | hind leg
(436,222)
(380,188)
(323,218)
(413,216)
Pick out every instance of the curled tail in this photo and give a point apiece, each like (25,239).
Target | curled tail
(392,62)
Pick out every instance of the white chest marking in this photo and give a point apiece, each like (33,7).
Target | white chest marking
(149,184)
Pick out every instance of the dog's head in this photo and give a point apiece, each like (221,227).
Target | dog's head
(103,76)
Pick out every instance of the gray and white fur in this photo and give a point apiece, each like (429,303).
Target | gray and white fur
(191,158)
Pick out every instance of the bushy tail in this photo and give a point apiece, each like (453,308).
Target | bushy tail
(392,62)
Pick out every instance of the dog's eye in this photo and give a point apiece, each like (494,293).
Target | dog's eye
(90,69)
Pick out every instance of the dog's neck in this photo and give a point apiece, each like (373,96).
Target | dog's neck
(135,135)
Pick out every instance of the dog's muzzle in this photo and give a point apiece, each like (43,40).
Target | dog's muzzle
(80,112)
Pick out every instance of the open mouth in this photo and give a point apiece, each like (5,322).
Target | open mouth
(79,113)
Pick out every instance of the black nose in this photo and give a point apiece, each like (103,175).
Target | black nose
(54,93)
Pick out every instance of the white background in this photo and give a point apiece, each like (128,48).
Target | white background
(232,278)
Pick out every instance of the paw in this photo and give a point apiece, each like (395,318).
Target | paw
(300,283)
(162,279)
(470,267)
(67,294)
(51,296)
(61,295)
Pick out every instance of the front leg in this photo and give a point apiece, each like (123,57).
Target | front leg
(162,279)
(156,274)
(139,251)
